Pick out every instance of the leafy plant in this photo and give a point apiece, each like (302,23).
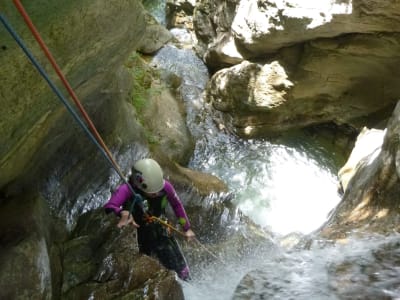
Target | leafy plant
(142,78)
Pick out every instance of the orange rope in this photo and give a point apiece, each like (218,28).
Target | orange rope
(162,222)
(50,57)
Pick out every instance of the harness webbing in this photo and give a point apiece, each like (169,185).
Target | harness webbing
(102,148)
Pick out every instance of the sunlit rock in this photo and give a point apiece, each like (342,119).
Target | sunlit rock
(337,81)
(366,149)
(212,24)
(247,90)
(370,203)
(261,27)
(223,52)
(266,27)
(339,55)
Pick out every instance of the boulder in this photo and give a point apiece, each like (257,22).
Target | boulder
(370,202)
(339,57)
(366,149)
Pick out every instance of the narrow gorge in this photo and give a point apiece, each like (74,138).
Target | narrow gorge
(277,121)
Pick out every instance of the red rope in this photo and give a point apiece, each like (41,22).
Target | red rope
(50,57)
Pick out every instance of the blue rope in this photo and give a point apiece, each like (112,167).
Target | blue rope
(43,73)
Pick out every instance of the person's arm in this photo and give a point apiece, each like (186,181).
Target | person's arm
(178,209)
(126,218)
(117,200)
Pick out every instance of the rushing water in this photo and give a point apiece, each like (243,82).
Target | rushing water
(285,185)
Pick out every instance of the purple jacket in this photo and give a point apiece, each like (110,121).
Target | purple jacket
(123,193)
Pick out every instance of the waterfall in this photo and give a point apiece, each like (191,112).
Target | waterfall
(287,186)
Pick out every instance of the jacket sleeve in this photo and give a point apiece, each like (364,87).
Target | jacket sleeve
(177,206)
(118,198)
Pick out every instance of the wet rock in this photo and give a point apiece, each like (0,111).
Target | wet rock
(165,120)
(86,39)
(366,149)
(179,13)
(371,198)
(368,276)
(28,260)
(102,260)
(154,37)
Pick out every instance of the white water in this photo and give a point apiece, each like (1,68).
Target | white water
(286,185)
(280,187)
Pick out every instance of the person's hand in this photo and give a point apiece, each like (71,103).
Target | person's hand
(189,234)
(126,219)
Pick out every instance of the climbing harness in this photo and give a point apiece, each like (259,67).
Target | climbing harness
(93,134)
(172,228)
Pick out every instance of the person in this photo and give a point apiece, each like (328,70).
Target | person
(148,181)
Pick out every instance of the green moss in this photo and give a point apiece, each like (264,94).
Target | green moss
(151,139)
(142,78)
(142,91)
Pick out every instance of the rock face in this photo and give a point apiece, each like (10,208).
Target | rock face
(252,94)
(366,149)
(370,202)
(50,172)
(339,58)
(266,27)
(56,241)
(108,265)
(25,254)
(87,57)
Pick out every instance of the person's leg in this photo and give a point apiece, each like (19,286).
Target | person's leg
(184,274)
(171,256)
(144,241)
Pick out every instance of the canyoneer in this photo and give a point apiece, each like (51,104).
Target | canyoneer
(154,239)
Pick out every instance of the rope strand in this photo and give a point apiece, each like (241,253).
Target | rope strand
(92,134)
(169,226)
(65,82)
(61,97)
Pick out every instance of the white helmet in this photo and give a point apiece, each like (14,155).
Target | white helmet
(147,175)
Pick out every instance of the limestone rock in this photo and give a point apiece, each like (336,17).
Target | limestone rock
(264,27)
(26,237)
(212,22)
(154,37)
(370,203)
(366,149)
(261,27)
(103,261)
(179,13)
(247,90)
(339,57)
(90,40)
(342,81)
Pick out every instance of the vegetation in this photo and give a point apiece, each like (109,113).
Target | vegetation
(142,91)
(142,78)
